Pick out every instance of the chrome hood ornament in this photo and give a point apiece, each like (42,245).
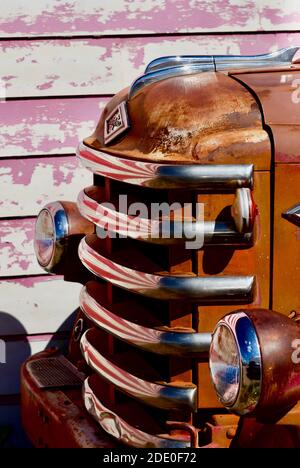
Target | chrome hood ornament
(178,65)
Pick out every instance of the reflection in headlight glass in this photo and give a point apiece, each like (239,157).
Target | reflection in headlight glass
(225,365)
(44,237)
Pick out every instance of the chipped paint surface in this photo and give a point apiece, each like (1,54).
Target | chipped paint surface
(16,248)
(28,184)
(44,127)
(52,17)
(28,305)
(63,67)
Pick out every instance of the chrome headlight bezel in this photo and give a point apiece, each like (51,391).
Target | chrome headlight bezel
(250,363)
(60,233)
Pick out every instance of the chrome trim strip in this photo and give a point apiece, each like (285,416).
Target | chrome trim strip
(115,426)
(199,289)
(166,67)
(169,397)
(282,56)
(171,61)
(167,342)
(164,73)
(196,176)
(293,214)
(159,231)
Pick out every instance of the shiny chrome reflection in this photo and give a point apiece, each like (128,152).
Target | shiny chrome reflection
(160,396)
(199,289)
(235,363)
(164,176)
(282,56)
(51,232)
(293,214)
(166,67)
(115,426)
(170,231)
(244,211)
(167,342)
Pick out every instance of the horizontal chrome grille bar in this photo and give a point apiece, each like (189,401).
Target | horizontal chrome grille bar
(165,342)
(161,176)
(206,289)
(160,396)
(166,231)
(118,428)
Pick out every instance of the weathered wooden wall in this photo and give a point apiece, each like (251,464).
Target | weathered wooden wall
(61,60)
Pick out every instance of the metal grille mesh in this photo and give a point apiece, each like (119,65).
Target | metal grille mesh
(54,372)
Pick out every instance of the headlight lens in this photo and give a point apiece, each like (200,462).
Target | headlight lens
(224,365)
(51,232)
(44,237)
(235,363)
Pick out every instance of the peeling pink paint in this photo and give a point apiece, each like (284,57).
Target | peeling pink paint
(32,281)
(41,127)
(22,170)
(134,54)
(169,16)
(16,254)
(46,85)
(278,16)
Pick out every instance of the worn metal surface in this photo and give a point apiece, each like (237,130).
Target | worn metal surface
(219,123)
(56,418)
(54,372)
(280,389)
(252,434)
(238,261)
(286,294)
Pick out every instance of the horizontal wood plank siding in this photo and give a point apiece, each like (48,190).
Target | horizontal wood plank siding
(28,184)
(116,17)
(46,126)
(79,67)
(35,305)
(16,248)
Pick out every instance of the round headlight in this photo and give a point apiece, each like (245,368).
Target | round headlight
(51,231)
(235,363)
(44,238)
(225,365)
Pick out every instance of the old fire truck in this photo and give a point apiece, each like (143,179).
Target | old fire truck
(174,346)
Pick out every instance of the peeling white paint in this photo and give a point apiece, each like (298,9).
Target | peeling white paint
(19,199)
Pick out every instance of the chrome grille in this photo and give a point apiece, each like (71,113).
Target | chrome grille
(159,277)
